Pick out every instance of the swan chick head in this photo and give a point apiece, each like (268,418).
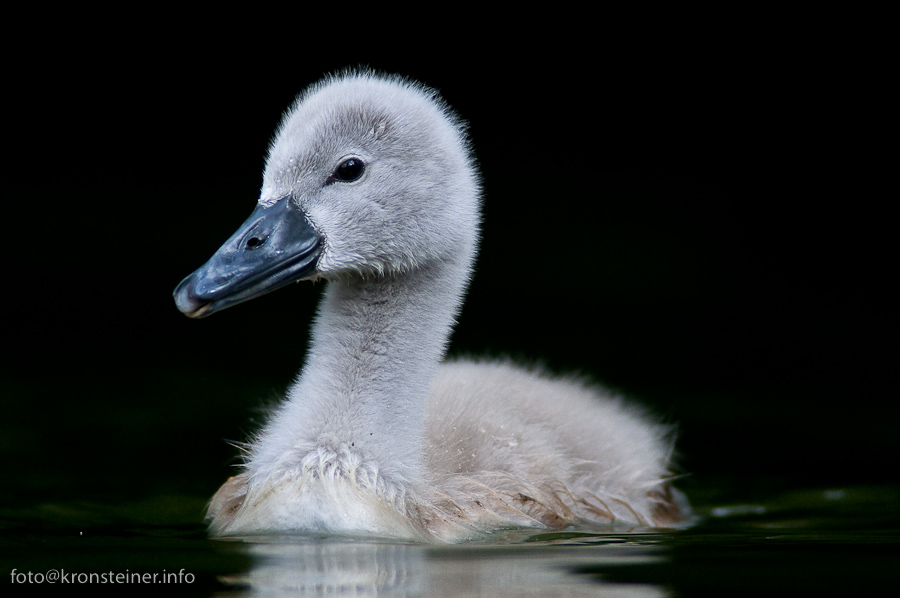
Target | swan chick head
(368,175)
(383,170)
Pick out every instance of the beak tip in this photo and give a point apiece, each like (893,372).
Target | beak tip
(187,302)
(200,312)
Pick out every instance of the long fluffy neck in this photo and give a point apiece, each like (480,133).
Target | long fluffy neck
(376,344)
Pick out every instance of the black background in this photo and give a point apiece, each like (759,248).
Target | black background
(699,224)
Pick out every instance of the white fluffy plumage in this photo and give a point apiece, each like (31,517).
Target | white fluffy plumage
(380,434)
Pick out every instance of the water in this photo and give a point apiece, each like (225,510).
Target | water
(815,541)
(792,497)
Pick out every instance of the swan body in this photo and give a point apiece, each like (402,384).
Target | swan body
(370,185)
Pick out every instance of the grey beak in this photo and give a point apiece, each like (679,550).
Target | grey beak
(276,246)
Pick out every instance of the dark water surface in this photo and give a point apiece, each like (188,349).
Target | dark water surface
(791,497)
(822,541)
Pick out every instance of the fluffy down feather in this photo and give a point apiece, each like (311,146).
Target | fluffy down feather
(379,434)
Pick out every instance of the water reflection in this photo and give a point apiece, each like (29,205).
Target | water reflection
(340,567)
(833,541)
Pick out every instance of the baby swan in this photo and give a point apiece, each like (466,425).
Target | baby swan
(370,185)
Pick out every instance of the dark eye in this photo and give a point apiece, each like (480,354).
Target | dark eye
(348,170)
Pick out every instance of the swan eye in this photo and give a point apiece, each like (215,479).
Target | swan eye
(348,170)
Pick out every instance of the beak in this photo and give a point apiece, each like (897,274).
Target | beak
(276,246)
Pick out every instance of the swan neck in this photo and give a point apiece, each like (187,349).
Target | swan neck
(376,345)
